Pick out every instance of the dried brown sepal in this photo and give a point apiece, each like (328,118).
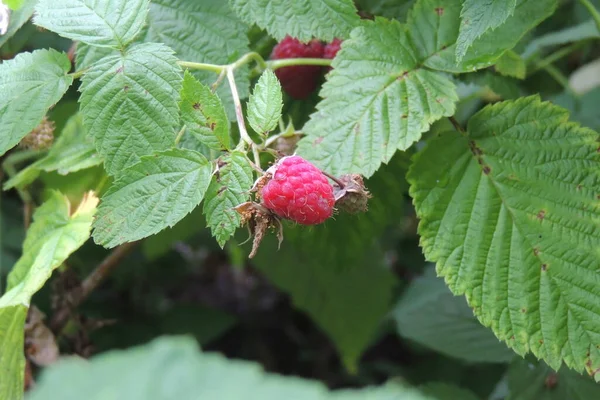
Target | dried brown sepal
(286,145)
(40,344)
(258,219)
(259,184)
(353,197)
(41,137)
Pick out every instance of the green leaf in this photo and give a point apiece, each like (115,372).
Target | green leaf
(30,84)
(266,102)
(173,367)
(152,195)
(527,381)
(87,55)
(583,108)
(57,231)
(585,30)
(386,8)
(478,17)
(129,104)
(228,188)
(302,19)
(14,4)
(486,49)
(323,268)
(376,100)
(104,23)
(203,114)
(511,64)
(73,151)
(429,314)
(445,391)
(509,212)
(202,31)
(18,18)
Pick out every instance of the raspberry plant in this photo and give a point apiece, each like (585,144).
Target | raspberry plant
(330,129)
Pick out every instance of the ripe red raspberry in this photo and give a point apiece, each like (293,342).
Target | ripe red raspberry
(301,80)
(298,191)
(332,48)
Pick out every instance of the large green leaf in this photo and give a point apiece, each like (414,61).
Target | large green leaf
(203,114)
(173,368)
(429,314)
(478,17)
(105,23)
(151,195)
(57,231)
(72,152)
(302,19)
(266,102)
(202,31)
(443,17)
(30,84)
(527,381)
(336,271)
(229,187)
(87,55)
(509,212)
(129,104)
(17,20)
(377,100)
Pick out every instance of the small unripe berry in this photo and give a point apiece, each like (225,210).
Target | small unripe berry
(41,137)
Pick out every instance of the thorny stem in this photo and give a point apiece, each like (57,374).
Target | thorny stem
(592,10)
(202,66)
(93,280)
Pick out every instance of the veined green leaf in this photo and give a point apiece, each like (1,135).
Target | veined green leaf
(511,64)
(528,381)
(429,314)
(30,84)
(302,19)
(478,17)
(173,367)
(105,23)
(433,25)
(57,231)
(229,187)
(86,55)
(129,104)
(510,213)
(203,114)
(266,102)
(151,195)
(202,31)
(73,151)
(377,100)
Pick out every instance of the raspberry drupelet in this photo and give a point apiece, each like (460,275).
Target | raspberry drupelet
(301,80)
(298,191)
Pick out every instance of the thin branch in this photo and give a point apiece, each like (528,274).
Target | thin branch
(287,62)
(336,180)
(76,296)
(202,66)
(592,10)
(456,124)
(557,55)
